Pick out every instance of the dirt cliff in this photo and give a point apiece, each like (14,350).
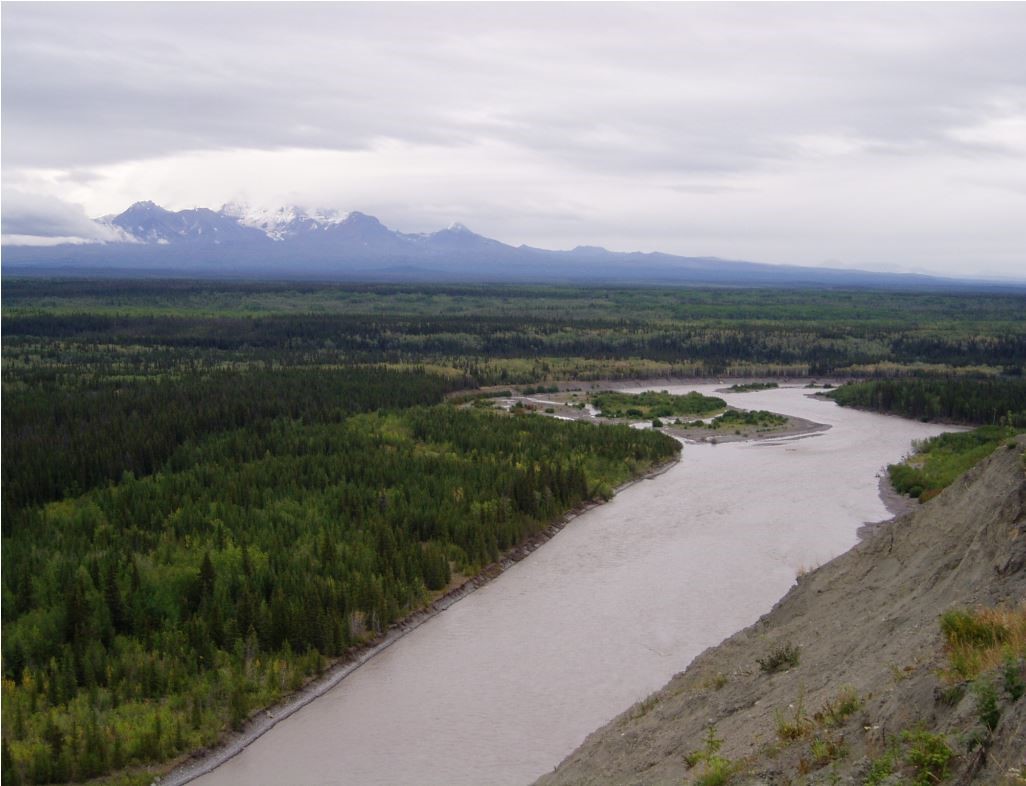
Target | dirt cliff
(864,690)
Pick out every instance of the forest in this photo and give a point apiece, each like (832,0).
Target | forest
(997,407)
(505,334)
(949,399)
(156,592)
(212,491)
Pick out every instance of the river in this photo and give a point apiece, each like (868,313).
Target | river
(504,684)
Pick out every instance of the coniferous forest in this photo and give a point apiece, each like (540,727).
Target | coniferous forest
(956,400)
(211,491)
(150,605)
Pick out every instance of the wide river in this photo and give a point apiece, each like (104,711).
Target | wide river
(500,687)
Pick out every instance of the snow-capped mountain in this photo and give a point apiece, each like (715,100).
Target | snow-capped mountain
(146,222)
(292,226)
(293,242)
(283,223)
(458,237)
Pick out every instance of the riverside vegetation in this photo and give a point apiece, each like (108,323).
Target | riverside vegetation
(144,613)
(612,404)
(999,404)
(211,490)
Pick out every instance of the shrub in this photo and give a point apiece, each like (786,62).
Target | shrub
(824,750)
(780,659)
(952,695)
(881,768)
(1012,673)
(642,708)
(930,755)
(796,725)
(717,681)
(716,770)
(987,704)
(835,712)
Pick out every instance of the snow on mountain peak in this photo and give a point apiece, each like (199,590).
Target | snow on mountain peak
(280,223)
(327,215)
(144,205)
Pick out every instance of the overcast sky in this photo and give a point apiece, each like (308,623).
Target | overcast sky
(882,136)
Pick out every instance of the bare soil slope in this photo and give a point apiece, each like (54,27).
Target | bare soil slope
(866,625)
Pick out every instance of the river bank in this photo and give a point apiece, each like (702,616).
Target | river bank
(203,761)
(897,504)
(868,677)
(514,677)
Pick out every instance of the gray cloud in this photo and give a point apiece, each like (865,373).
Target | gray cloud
(33,215)
(679,87)
(601,111)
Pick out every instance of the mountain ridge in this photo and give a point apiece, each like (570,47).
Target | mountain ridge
(292,242)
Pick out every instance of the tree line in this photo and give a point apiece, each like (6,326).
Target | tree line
(66,436)
(961,400)
(395,337)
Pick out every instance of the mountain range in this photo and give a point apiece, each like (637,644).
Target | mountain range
(292,243)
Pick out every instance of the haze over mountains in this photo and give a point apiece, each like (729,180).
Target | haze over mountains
(293,243)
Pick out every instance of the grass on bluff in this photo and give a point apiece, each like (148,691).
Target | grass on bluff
(981,640)
(938,461)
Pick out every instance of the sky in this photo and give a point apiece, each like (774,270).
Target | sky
(882,136)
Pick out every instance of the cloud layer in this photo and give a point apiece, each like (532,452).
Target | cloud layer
(887,135)
(40,217)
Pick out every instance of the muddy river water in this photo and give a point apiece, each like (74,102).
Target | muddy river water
(504,684)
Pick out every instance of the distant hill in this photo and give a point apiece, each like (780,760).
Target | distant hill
(292,243)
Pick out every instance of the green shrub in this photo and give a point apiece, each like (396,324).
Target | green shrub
(953,694)
(881,768)
(795,725)
(717,772)
(717,681)
(834,713)
(987,709)
(824,750)
(930,755)
(717,769)
(780,659)
(1011,671)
